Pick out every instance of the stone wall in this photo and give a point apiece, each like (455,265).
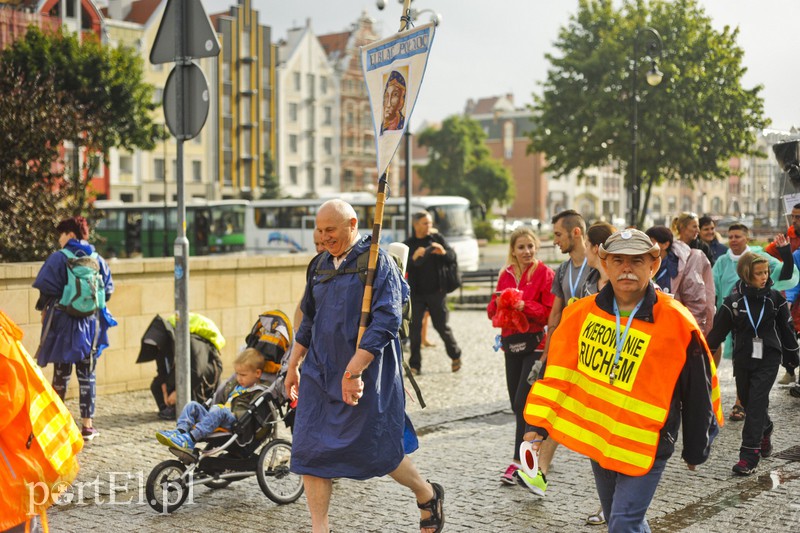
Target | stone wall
(230,290)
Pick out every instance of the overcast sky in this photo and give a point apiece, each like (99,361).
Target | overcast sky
(489,48)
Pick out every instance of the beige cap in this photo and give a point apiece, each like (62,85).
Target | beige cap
(629,242)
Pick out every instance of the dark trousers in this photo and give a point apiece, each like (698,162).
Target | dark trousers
(517,369)
(436,305)
(753,386)
(158,394)
(86,383)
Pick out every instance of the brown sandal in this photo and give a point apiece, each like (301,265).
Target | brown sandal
(737,413)
(455,366)
(435,506)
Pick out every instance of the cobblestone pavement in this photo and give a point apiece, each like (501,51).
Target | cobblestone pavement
(466,437)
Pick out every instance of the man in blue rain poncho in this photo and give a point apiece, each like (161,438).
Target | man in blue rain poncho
(350,418)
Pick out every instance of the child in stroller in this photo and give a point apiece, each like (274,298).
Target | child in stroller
(234,454)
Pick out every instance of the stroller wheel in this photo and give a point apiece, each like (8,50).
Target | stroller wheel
(276,481)
(165,489)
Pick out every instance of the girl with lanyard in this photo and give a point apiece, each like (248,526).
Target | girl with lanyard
(522,346)
(758,317)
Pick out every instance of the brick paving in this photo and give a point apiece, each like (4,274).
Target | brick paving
(465,443)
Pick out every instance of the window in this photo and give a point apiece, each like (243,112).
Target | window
(125,164)
(245,107)
(327,115)
(197,171)
(226,104)
(226,138)
(158,96)
(245,79)
(293,144)
(296,77)
(226,72)
(265,80)
(350,118)
(293,175)
(328,176)
(245,44)
(310,83)
(158,170)
(327,144)
(293,112)
(246,139)
(323,84)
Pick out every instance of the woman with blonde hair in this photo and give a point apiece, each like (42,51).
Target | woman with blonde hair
(521,306)
(686,227)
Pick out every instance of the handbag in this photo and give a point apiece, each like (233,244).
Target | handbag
(521,343)
(452,277)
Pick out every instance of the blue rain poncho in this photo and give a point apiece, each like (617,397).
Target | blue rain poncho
(333,439)
(69,339)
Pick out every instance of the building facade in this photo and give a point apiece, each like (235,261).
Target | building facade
(357,139)
(308,110)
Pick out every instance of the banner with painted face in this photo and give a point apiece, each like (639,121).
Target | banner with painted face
(393,71)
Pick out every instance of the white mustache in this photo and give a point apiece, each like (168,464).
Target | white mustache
(630,276)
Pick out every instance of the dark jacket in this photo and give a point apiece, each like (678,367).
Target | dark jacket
(691,399)
(775,328)
(426,275)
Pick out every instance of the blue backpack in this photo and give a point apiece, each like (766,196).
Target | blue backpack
(84,294)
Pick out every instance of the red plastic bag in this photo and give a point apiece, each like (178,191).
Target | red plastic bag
(508,316)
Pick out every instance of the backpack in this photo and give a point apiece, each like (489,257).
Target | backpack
(84,294)
(271,335)
(362,265)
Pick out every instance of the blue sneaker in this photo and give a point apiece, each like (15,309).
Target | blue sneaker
(176,439)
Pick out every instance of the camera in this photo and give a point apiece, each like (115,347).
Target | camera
(381,4)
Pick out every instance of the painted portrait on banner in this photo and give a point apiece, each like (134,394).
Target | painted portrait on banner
(394,100)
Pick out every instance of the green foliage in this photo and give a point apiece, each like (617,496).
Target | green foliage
(55,88)
(269,182)
(460,164)
(484,230)
(690,125)
(32,123)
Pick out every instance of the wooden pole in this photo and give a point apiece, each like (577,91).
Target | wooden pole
(366,302)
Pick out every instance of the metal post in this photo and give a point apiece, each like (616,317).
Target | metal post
(166,208)
(634,204)
(181,246)
(408,180)
(655,45)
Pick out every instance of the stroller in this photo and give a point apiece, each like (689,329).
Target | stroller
(251,447)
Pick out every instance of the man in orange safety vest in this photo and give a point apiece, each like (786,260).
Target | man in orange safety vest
(625,368)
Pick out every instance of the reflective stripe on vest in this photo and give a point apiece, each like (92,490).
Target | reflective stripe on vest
(617,423)
(52,425)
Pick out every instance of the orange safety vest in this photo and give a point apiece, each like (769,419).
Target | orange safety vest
(616,424)
(39,440)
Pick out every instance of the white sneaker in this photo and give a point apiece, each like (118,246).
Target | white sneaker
(787,379)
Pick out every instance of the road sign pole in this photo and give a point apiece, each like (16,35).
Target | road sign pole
(181,247)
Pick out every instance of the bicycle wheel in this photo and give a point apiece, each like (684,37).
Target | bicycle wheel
(165,490)
(276,481)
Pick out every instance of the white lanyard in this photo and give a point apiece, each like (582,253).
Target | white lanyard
(621,340)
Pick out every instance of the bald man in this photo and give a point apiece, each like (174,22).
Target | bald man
(350,419)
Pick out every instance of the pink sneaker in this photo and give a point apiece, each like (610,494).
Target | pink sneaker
(508,476)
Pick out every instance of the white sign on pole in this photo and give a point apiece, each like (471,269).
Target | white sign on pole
(393,71)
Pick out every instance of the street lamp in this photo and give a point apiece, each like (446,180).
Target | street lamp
(409,19)
(654,47)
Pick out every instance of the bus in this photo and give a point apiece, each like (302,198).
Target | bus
(148,229)
(288,225)
(267,226)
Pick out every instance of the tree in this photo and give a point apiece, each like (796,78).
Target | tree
(690,125)
(94,93)
(269,182)
(32,124)
(460,163)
